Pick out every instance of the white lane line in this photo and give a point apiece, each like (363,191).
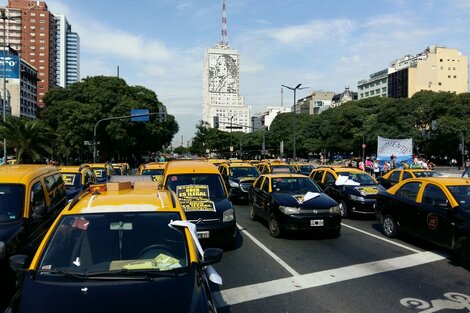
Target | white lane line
(269,252)
(290,284)
(381,238)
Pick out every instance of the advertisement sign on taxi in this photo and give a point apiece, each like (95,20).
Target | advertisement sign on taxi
(195,197)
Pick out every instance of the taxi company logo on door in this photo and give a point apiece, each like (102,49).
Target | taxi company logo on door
(432,221)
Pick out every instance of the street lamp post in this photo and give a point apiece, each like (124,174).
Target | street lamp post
(295,109)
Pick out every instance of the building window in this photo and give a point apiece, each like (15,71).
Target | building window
(440,84)
(33,14)
(440,60)
(455,76)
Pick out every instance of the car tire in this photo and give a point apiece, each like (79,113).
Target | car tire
(462,251)
(274,227)
(389,226)
(252,213)
(344,209)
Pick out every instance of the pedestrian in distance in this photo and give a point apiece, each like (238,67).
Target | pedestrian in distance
(466,167)
(376,168)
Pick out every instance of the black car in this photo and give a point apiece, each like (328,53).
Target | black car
(353,189)
(238,178)
(436,210)
(293,202)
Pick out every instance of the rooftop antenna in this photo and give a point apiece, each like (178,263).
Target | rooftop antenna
(224,37)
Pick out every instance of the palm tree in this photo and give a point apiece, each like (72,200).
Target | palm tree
(30,138)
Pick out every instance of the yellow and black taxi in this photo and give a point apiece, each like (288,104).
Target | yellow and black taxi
(293,202)
(352,188)
(434,209)
(119,168)
(274,166)
(397,175)
(238,177)
(77,179)
(118,248)
(31,196)
(202,193)
(103,171)
(154,169)
(303,168)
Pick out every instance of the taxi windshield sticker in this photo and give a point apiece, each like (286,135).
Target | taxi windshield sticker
(195,197)
(368,190)
(68,179)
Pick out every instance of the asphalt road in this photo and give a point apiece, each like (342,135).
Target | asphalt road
(360,271)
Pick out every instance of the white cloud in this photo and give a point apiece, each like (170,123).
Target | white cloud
(313,31)
(388,21)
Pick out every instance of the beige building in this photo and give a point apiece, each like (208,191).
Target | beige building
(436,69)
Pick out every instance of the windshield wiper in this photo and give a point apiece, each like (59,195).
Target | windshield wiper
(131,274)
(70,274)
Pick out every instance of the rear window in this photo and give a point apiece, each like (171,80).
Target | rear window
(156,171)
(72,179)
(11,202)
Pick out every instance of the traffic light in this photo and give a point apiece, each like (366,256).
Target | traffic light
(216,122)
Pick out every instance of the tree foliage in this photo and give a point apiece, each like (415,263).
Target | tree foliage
(74,111)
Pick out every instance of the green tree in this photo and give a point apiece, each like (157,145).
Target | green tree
(31,139)
(75,110)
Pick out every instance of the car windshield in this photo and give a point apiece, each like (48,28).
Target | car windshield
(282,169)
(306,168)
(361,178)
(73,180)
(294,185)
(100,172)
(11,202)
(117,171)
(209,182)
(109,242)
(462,195)
(153,172)
(427,174)
(244,172)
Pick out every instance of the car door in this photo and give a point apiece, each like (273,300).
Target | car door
(318,178)
(436,216)
(405,208)
(255,193)
(336,192)
(263,198)
(392,180)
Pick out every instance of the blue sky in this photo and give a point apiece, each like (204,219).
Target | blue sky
(325,45)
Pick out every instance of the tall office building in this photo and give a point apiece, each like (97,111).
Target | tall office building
(68,53)
(221,82)
(37,44)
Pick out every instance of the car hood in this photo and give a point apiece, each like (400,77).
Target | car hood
(9,230)
(365,190)
(221,205)
(163,294)
(322,201)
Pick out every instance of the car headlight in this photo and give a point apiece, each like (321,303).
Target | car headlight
(335,210)
(229,215)
(233,184)
(2,250)
(357,198)
(289,210)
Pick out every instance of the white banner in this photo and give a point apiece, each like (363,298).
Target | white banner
(401,148)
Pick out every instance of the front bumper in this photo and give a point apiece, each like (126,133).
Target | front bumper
(303,222)
(362,207)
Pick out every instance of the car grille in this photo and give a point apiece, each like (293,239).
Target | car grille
(205,221)
(245,186)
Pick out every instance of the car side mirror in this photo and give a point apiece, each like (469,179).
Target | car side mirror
(18,262)
(39,211)
(211,256)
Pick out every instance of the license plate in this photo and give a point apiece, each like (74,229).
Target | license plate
(316,223)
(203,234)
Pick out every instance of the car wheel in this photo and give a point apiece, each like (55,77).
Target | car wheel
(389,226)
(462,251)
(274,227)
(344,209)
(252,213)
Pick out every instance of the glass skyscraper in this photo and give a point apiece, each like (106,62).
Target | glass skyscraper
(68,53)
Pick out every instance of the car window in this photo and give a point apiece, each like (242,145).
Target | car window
(462,195)
(318,175)
(50,181)
(11,202)
(299,185)
(257,184)
(153,172)
(266,185)
(407,175)
(244,172)
(394,177)
(113,242)
(72,179)
(433,195)
(329,178)
(37,198)
(409,190)
(359,177)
